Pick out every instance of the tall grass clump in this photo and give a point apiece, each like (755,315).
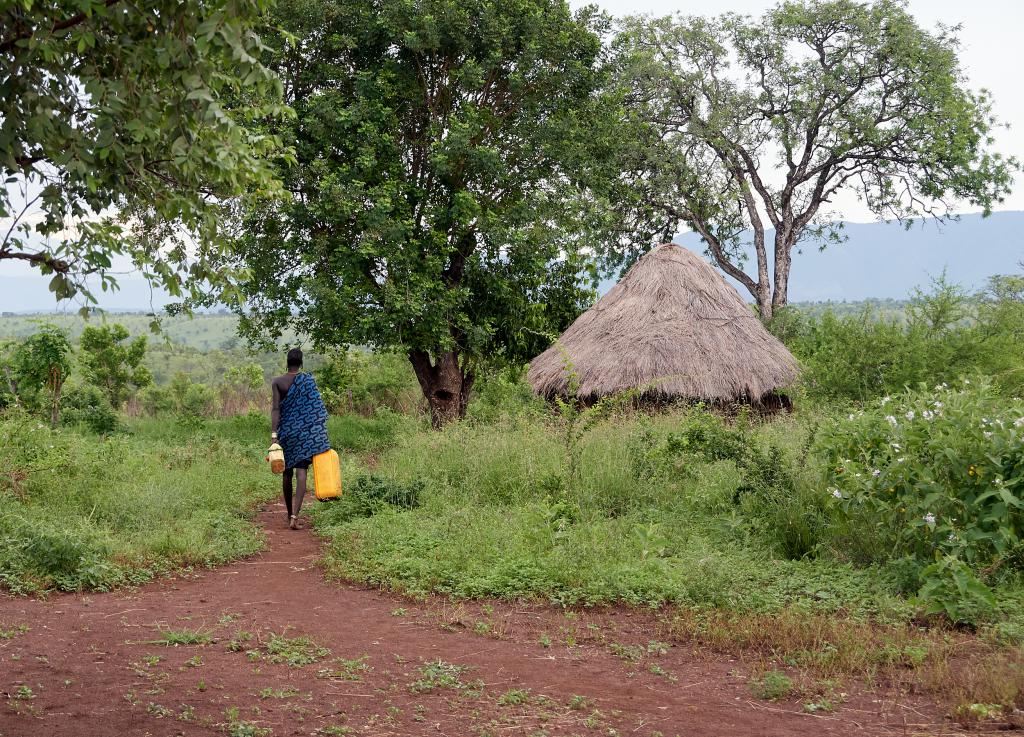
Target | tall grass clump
(81,512)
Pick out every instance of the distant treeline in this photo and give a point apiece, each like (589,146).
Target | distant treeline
(218,332)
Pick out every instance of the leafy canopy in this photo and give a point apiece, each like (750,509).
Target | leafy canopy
(758,124)
(437,198)
(112,124)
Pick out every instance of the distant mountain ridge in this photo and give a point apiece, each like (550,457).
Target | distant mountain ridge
(884,260)
(878,261)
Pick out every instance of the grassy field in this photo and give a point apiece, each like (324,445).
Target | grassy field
(80,512)
(486,509)
(495,517)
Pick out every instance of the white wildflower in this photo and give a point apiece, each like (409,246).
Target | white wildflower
(895,446)
(929,518)
(837,494)
(900,459)
(886,400)
(1018,422)
(851,417)
(987,434)
(910,415)
(928,414)
(952,537)
(937,405)
(876,473)
(892,420)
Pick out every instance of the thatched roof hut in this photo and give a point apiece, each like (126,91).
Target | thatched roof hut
(673,328)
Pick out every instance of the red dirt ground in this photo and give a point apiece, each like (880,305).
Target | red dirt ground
(88,666)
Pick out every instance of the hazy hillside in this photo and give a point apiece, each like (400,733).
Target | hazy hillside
(203,332)
(883,260)
(204,346)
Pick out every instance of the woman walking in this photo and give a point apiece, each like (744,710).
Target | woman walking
(298,423)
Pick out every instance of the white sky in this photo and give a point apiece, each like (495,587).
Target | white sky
(992,55)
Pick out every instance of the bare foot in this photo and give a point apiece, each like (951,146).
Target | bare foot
(294,523)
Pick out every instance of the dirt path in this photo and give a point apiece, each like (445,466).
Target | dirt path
(91,665)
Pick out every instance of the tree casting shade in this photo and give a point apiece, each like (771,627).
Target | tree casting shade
(673,327)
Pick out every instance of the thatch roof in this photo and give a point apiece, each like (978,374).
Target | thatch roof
(672,327)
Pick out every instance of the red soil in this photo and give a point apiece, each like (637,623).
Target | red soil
(85,666)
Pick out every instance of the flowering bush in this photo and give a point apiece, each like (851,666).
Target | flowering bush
(939,475)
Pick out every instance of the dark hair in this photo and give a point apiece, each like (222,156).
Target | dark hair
(295,358)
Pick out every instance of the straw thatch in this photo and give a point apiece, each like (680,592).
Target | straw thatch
(672,328)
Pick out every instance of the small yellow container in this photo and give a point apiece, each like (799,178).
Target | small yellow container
(327,476)
(276,457)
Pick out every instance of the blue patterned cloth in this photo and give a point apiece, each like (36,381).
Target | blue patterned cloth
(302,432)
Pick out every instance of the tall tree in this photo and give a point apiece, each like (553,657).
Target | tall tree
(757,125)
(111,121)
(438,203)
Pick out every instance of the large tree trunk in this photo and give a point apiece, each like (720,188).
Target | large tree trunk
(445,383)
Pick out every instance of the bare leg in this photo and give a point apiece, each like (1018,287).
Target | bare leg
(300,489)
(286,488)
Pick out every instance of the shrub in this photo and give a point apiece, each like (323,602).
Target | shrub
(367,434)
(935,475)
(941,335)
(40,365)
(504,393)
(772,686)
(199,400)
(88,405)
(157,400)
(113,364)
(242,389)
(775,495)
(362,382)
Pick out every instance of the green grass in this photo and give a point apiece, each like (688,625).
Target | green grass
(82,512)
(437,675)
(514,697)
(496,519)
(176,638)
(772,686)
(293,651)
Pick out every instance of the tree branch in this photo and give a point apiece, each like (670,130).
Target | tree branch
(59,266)
(62,25)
